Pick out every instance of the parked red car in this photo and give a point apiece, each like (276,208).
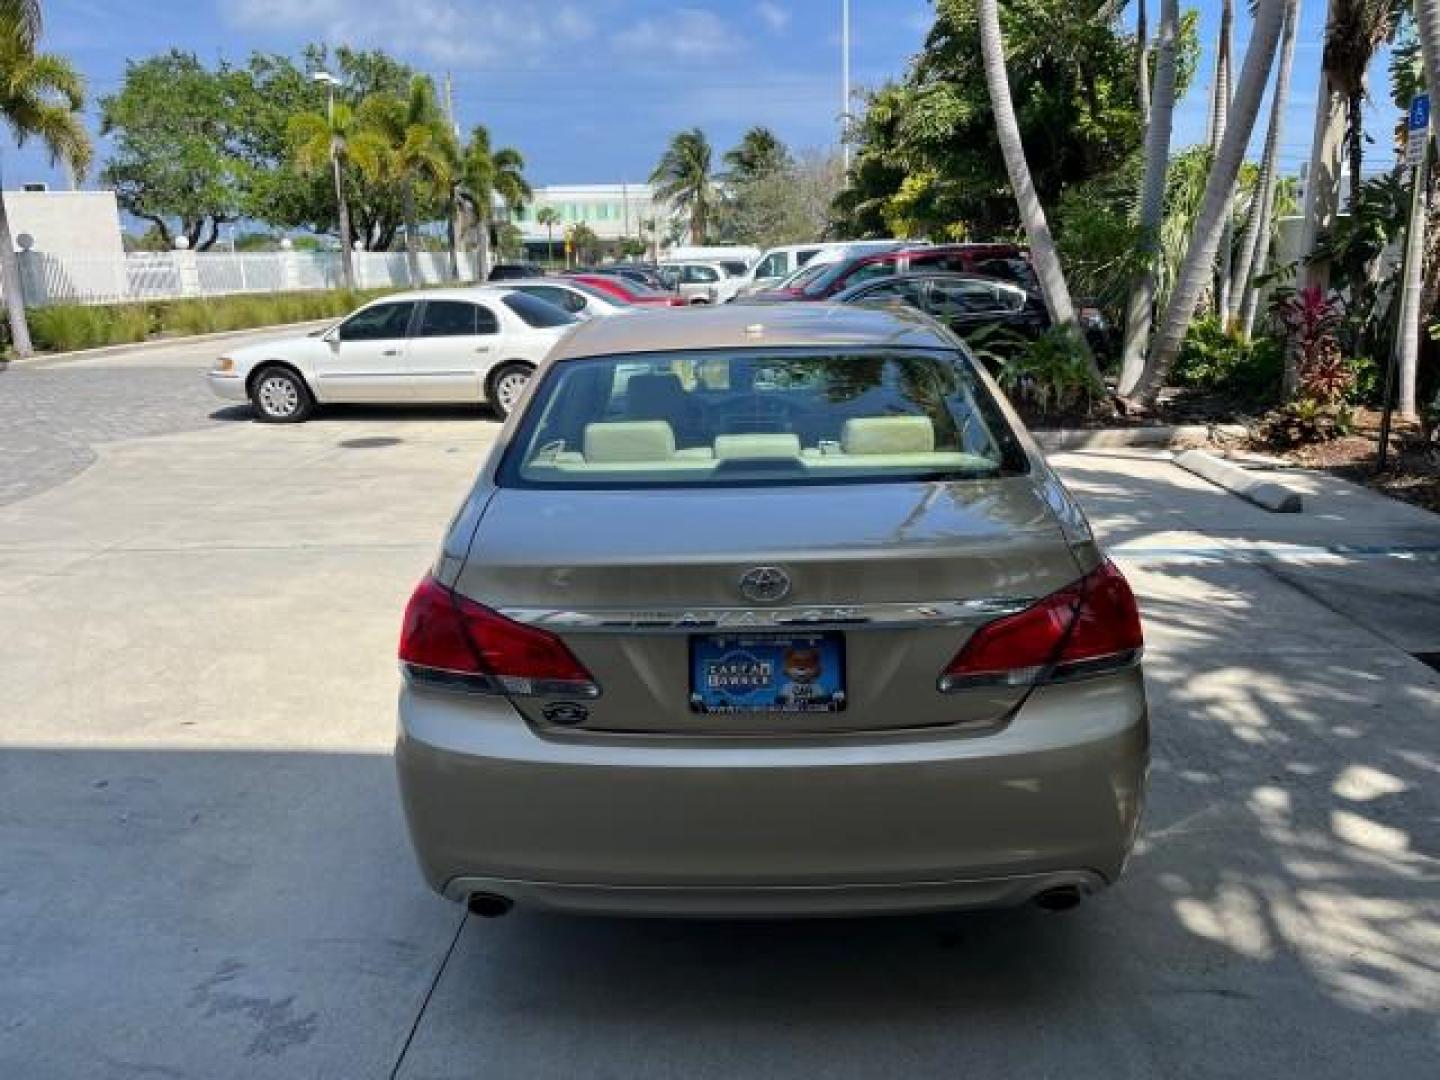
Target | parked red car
(825,280)
(632,292)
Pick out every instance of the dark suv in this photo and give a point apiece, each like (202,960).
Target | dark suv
(822,281)
(514,271)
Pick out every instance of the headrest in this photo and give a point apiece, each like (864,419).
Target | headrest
(629,440)
(888,435)
(743,447)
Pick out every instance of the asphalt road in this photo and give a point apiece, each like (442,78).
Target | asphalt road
(203,869)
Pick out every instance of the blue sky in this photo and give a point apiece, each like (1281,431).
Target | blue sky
(590,89)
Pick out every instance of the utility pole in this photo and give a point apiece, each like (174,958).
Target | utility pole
(845,84)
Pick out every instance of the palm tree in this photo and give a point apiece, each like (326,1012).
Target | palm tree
(41,97)
(1142,61)
(335,140)
(1219,117)
(1043,254)
(25,17)
(484,174)
(758,153)
(548,217)
(1354,29)
(1262,207)
(1407,78)
(417,153)
(1140,311)
(682,178)
(1219,187)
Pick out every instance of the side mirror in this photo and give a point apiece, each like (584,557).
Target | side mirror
(331,337)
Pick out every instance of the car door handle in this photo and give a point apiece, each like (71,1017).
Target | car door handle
(391,352)
(482,348)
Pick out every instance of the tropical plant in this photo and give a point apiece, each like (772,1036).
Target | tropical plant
(549,217)
(682,178)
(1217,360)
(1044,256)
(994,345)
(336,140)
(1053,375)
(418,153)
(484,173)
(584,243)
(1219,187)
(41,98)
(1139,312)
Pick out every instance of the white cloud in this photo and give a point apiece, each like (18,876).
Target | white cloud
(448,31)
(689,34)
(773,15)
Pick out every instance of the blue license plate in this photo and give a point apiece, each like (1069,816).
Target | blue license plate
(748,673)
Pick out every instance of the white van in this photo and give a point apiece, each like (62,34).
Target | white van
(778,263)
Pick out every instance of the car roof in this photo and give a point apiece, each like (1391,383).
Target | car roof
(453,292)
(727,326)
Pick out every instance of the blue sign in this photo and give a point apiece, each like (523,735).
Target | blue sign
(1419,112)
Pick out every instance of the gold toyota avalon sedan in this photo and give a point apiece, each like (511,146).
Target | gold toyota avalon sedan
(769,612)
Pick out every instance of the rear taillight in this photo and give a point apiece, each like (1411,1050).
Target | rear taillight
(450,642)
(1087,628)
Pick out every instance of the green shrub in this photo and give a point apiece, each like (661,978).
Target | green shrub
(1051,376)
(65,327)
(1365,385)
(1216,361)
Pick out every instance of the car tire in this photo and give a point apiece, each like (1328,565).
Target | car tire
(507,385)
(281,396)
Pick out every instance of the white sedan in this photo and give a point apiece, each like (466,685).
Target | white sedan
(440,345)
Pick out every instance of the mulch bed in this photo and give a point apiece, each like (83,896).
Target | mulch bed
(1413,473)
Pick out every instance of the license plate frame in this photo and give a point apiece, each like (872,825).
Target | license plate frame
(795,673)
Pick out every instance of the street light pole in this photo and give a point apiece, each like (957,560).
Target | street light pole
(342,209)
(845,83)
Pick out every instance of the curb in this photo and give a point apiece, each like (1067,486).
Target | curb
(151,344)
(1266,494)
(1160,437)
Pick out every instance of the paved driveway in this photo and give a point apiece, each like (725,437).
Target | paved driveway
(203,870)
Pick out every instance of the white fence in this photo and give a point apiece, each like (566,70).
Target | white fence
(170,275)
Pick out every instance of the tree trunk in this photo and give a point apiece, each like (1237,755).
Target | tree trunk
(1200,256)
(412,239)
(1222,116)
(13,287)
(342,210)
(1322,179)
(1262,206)
(1139,312)
(1407,337)
(1251,303)
(1043,254)
(482,250)
(1142,62)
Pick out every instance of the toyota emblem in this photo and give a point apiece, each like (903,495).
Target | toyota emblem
(765,584)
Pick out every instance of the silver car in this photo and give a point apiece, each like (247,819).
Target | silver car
(769,612)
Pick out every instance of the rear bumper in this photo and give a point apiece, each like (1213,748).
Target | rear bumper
(907,822)
(778,901)
(227,387)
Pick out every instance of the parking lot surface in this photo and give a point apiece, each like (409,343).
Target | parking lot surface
(203,866)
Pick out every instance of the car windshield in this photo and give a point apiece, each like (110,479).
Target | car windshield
(802,278)
(757,416)
(537,313)
(829,273)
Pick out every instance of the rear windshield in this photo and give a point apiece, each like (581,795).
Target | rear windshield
(757,416)
(537,313)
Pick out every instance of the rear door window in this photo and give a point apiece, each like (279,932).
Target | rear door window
(450,318)
(537,313)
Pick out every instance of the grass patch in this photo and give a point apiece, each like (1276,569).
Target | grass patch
(66,327)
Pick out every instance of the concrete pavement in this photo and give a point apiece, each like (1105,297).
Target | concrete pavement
(203,869)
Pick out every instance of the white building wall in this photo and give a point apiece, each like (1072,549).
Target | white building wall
(611,211)
(69,241)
